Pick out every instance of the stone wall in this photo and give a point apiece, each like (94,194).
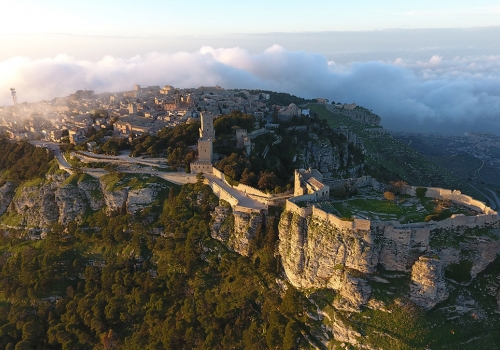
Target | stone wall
(360,182)
(294,208)
(201,167)
(356,224)
(252,191)
(222,193)
(454,196)
(218,173)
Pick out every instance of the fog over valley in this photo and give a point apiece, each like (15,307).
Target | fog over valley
(438,86)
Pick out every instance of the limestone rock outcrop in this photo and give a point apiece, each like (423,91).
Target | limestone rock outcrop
(354,292)
(140,198)
(236,229)
(6,195)
(315,247)
(93,192)
(62,198)
(115,200)
(428,285)
(36,204)
(343,333)
(71,203)
(312,250)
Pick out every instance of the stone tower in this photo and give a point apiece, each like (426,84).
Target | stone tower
(205,151)
(207,125)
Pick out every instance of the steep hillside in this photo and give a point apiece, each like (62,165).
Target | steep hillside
(390,159)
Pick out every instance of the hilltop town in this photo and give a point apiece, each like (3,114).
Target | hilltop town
(301,204)
(143,110)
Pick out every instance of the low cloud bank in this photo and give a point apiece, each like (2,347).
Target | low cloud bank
(438,94)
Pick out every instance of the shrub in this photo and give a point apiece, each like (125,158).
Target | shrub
(420,192)
(389,196)
(459,272)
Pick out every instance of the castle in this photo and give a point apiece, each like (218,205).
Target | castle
(205,145)
(313,242)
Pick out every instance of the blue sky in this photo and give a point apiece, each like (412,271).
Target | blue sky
(201,17)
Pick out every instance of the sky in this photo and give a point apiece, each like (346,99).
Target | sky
(421,65)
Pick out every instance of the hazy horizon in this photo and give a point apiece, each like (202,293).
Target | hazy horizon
(417,78)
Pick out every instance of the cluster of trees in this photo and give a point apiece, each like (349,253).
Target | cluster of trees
(171,143)
(22,161)
(225,125)
(110,283)
(249,171)
(282,98)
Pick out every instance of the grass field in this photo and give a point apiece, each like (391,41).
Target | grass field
(405,209)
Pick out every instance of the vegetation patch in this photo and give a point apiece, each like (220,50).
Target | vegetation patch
(76,178)
(11,218)
(459,272)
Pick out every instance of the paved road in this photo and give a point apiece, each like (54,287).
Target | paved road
(175,177)
(121,158)
(243,200)
(497,200)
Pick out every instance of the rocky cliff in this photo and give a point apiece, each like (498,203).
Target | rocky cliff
(65,198)
(316,253)
(333,160)
(235,229)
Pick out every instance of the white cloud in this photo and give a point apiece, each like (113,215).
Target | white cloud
(438,94)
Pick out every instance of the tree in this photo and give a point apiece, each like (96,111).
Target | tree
(248,177)
(268,181)
(389,196)
(111,148)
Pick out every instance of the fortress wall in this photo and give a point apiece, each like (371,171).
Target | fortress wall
(461,220)
(400,235)
(305,198)
(360,182)
(218,173)
(356,224)
(252,191)
(420,235)
(433,192)
(486,219)
(223,194)
(365,181)
(294,208)
(245,209)
(200,167)
(338,184)
(409,190)
(361,224)
(455,196)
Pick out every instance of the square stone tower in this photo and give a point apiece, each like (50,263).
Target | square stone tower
(205,151)
(207,125)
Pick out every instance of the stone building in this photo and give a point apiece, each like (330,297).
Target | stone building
(243,140)
(310,182)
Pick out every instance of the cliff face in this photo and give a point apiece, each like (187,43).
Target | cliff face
(235,229)
(64,198)
(428,285)
(321,154)
(312,250)
(316,254)
(7,192)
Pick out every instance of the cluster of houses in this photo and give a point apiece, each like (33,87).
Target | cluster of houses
(142,110)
